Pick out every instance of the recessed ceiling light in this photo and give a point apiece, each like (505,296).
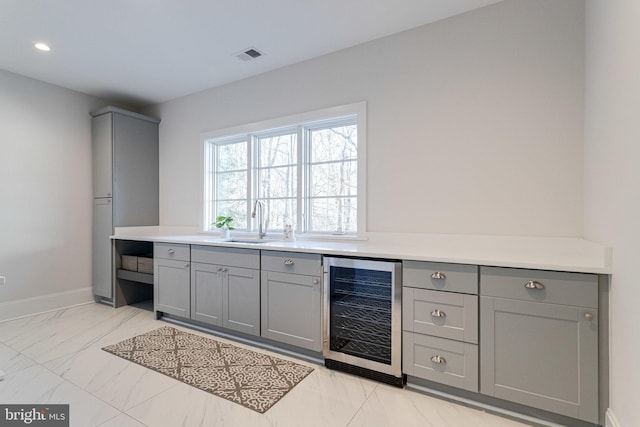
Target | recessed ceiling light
(42,46)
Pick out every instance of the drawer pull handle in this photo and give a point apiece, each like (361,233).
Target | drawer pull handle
(288,261)
(438,359)
(171,251)
(588,316)
(532,284)
(438,275)
(316,281)
(438,313)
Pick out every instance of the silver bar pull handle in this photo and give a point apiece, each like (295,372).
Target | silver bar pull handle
(438,275)
(438,359)
(532,284)
(438,313)
(171,251)
(288,261)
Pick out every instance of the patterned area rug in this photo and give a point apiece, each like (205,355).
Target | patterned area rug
(254,380)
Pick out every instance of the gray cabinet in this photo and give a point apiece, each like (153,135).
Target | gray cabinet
(171,281)
(440,323)
(540,339)
(102,155)
(207,281)
(125,165)
(102,255)
(443,314)
(291,298)
(225,288)
(125,183)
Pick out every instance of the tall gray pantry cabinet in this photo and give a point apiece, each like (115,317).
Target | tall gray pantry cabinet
(125,185)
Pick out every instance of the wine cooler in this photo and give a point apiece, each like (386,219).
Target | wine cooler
(362,318)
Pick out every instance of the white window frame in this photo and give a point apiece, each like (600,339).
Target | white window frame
(313,119)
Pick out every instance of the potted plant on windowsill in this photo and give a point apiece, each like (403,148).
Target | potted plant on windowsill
(224,224)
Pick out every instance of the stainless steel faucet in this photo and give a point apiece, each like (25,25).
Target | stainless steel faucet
(258,207)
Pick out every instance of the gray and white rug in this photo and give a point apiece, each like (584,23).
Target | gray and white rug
(254,380)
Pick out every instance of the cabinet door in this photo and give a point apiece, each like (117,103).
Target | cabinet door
(102,153)
(541,355)
(135,169)
(207,282)
(242,300)
(102,253)
(291,309)
(171,287)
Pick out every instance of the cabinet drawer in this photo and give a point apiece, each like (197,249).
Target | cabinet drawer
(233,257)
(440,276)
(449,362)
(291,262)
(177,251)
(575,289)
(442,314)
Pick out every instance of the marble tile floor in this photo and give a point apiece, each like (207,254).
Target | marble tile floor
(56,357)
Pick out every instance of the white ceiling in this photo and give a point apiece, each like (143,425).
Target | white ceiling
(142,52)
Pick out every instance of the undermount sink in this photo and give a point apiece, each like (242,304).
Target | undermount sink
(248,240)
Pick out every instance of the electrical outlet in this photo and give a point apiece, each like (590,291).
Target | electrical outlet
(3,280)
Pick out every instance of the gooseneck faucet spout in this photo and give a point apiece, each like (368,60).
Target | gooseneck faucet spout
(258,207)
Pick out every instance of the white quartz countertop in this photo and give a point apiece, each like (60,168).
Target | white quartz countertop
(543,253)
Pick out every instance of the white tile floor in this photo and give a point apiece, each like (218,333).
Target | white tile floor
(57,358)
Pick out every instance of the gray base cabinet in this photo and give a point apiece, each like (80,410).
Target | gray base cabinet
(225,288)
(440,323)
(292,298)
(538,347)
(207,281)
(171,281)
(242,300)
(172,290)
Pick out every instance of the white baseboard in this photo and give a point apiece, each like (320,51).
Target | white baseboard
(44,303)
(611,420)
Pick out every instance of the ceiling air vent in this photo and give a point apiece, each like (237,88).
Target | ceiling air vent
(249,54)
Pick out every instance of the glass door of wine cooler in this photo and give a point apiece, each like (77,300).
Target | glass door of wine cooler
(362,313)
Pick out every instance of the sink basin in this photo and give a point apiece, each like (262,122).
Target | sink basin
(248,240)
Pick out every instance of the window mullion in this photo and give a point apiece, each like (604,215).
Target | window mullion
(251,162)
(302,180)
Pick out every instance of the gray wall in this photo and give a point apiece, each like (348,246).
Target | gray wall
(612,183)
(475,123)
(45,190)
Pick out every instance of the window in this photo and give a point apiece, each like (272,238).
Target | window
(307,169)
